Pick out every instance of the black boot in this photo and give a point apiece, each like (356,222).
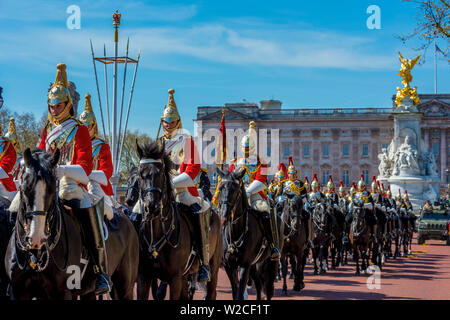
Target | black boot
(201,230)
(275,253)
(93,235)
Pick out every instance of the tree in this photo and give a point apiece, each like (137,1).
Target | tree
(433,22)
(129,154)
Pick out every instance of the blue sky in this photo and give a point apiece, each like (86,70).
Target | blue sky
(306,54)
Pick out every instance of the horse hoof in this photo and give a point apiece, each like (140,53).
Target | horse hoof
(284,293)
(316,272)
(291,276)
(357,273)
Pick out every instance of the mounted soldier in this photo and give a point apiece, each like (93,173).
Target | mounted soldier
(275,189)
(255,180)
(344,201)
(99,185)
(181,149)
(8,159)
(365,197)
(314,197)
(408,204)
(293,185)
(307,185)
(63,132)
(11,135)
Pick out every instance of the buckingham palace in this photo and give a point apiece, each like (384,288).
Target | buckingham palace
(344,142)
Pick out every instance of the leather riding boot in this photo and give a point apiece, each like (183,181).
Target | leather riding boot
(268,232)
(275,254)
(310,233)
(201,230)
(93,234)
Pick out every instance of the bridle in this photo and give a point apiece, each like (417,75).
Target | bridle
(154,247)
(357,218)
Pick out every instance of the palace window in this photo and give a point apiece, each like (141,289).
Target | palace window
(325,174)
(365,149)
(345,149)
(287,150)
(366,176)
(435,148)
(306,151)
(345,177)
(325,150)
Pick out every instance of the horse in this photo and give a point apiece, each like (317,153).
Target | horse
(6,227)
(338,229)
(46,258)
(166,232)
(378,253)
(360,235)
(321,228)
(407,229)
(294,241)
(244,251)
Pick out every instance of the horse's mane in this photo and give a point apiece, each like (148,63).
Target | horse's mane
(154,150)
(42,161)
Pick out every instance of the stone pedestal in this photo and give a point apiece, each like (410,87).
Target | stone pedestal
(407,164)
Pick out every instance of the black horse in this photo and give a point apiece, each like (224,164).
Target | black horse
(407,219)
(60,267)
(294,241)
(338,230)
(166,232)
(360,235)
(246,248)
(6,227)
(322,226)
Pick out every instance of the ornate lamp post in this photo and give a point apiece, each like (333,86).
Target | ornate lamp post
(117,128)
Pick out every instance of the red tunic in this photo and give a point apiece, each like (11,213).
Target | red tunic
(260,175)
(82,153)
(105,164)
(191,163)
(8,159)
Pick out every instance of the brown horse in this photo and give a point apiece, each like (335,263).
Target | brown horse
(167,248)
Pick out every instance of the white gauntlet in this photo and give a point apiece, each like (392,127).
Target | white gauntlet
(74,172)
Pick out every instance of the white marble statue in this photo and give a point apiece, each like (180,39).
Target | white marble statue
(406,159)
(385,163)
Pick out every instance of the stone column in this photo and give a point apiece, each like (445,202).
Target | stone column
(443,154)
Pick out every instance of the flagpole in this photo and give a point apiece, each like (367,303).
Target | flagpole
(435,67)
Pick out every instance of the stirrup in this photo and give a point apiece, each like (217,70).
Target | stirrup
(204,274)
(102,284)
(275,254)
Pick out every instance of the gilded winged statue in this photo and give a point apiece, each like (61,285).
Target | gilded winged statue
(405,73)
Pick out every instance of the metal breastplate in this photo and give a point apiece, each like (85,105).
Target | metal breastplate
(66,145)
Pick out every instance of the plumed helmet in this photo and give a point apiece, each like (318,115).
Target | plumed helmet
(361,183)
(282,171)
(330,184)
(399,195)
(341,187)
(374,185)
(315,183)
(389,193)
(11,135)
(170,112)
(353,188)
(87,117)
(406,195)
(59,92)
(291,168)
(306,183)
(248,141)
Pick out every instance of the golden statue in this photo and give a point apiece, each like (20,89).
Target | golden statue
(405,73)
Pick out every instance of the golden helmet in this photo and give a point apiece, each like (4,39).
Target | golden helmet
(59,92)
(307,183)
(361,183)
(248,141)
(389,193)
(11,135)
(341,187)
(406,195)
(315,183)
(374,185)
(87,117)
(353,188)
(330,184)
(281,173)
(291,168)
(170,112)
(399,195)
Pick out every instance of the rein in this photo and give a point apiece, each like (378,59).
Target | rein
(154,247)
